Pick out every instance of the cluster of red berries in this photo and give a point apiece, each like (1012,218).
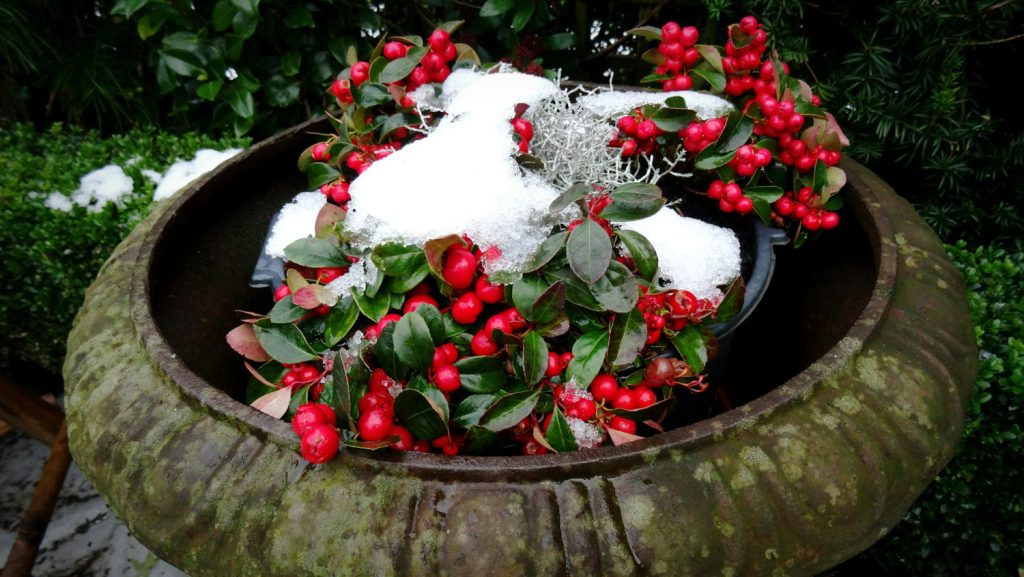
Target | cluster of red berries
(673,309)
(636,135)
(435,64)
(749,158)
(795,152)
(745,57)
(730,197)
(363,157)
(315,423)
(678,46)
(804,207)
(699,135)
(337,192)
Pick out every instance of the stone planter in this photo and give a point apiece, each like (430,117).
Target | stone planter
(847,426)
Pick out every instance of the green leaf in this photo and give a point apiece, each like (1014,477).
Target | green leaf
(435,322)
(626,339)
(546,251)
(397,259)
(150,24)
(478,440)
(570,195)
(560,41)
(690,344)
(714,78)
(648,32)
(525,293)
(223,14)
(340,320)
(819,180)
(286,311)
(422,416)
(535,357)
(732,302)
(549,305)
(711,55)
(409,281)
(290,62)
(559,435)
(284,342)
(319,173)
(127,8)
(576,291)
(299,17)
(387,354)
(244,25)
(588,352)
(634,203)
(766,193)
(248,6)
(673,119)
(315,252)
(737,131)
(413,342)
(280,91)
(420,383)
(710,158)
(181,63)
(374,307)
(617,289)
(342,401)
(496,7)
(509,410)
(470,410)
(370,94)
(242,103)
(589,251)
(523,13)
(482,374)
(401,67)
(209,90)
(642,251)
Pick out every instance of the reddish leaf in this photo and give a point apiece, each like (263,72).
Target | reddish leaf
(256,375)
(307,297)
(243,340)
(620,438)
(274,404)
(328,216)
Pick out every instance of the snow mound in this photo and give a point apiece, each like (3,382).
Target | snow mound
(183,172)
(296,220)
(613,103)
(692,254)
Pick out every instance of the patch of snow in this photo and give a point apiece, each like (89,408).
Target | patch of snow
(692,254)
(58,201)
(183,172)
(152,175)
(97,188)
(614,103)
(462,178)
(587,436)
(358,276)
(296,220)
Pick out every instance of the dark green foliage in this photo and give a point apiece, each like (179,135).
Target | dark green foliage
(970,521)
(49,256)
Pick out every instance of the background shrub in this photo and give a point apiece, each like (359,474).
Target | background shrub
(50,257)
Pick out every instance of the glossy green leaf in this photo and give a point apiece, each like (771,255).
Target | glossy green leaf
(320,173)
(373,307)
(732,302)
(371,94)
(413,342)
(617,290)
(626,339)
(284,342)
(482,374)
(315,252)
(633,201)
(340,320)
(419,383)
(342,397)
(589,352)
(714,78)
(435,322)
(290,62)
(559,435)
(386,353)
(765,193)
(286,311)
(570,195)
(496,7)
(546,251)
(478,440)
(535,357)
(642,252)
(589,251)
(470,410)
(509,410)
(690,344)
(401,67)
(648,32)
(523,13)
(397,259)
(673,119)
(424,419)
(576,291)
(550,304)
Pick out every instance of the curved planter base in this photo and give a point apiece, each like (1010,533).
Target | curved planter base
(792,483)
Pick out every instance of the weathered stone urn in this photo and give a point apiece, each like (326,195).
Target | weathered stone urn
(844,414)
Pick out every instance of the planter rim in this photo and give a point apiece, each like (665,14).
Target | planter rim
(202,394)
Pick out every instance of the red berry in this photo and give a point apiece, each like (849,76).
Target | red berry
(555,366)
(829,220)
(459,268)
(624,399)
(627,124)
(647,130)
(375,425)
(306,417)
(439,40)
(482,344)
(339,193)
(281,292)
(682,82)
(689,36)
(670,32)
(515,320)
(498,322)
(744,205)
(645,397)
(433,61)
(716,190)
(804,195)
(784,206)
(447,379)
(405,440)
(421,447)
(604,387)
(419,76)
(414,302)
(585,409)
(320,443)
(532,447)
(489,293)
(732,192)
(624,425)
(566,358)
(811,221)
(377,400)
(320,152)
(713,128)
(387,320)
(395,50)
(748,24)
(467,308)
(523,127)
(360,72)
(381,382)
(326,274)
